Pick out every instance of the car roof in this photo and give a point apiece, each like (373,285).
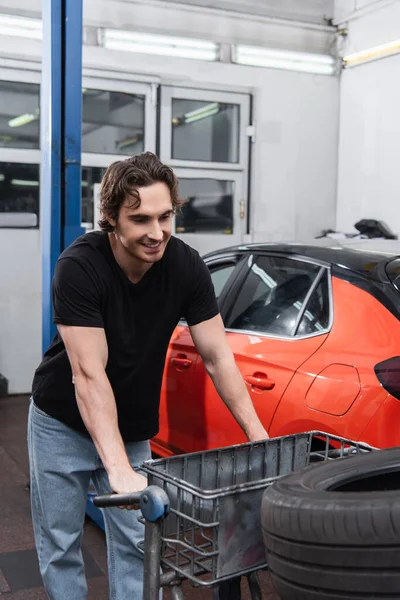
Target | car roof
(359,257)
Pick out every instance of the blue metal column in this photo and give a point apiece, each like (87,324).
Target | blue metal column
(61,127)
(72,121)
(51,164)
(61,131)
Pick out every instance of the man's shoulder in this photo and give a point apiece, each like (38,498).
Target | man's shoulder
(89,247)
(181,251)
(184,264)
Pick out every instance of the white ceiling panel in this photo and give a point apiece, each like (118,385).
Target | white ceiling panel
(311,11)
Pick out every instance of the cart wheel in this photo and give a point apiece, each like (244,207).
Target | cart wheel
(154,504)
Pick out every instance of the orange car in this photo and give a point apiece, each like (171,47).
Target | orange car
(316,335)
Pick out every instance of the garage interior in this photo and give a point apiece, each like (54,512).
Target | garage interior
(304,96)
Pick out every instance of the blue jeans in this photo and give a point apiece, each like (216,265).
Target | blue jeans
(62,463)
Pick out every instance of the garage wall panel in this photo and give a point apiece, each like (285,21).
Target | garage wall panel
(376,23)
(368,174)
(20,307)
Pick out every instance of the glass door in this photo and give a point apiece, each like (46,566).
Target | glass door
(213,216)
(116,123)
(203,137)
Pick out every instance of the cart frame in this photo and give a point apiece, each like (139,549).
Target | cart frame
(213,531)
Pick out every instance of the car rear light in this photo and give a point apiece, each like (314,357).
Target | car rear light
(388,373)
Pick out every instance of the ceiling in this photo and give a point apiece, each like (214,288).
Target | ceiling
(312,11)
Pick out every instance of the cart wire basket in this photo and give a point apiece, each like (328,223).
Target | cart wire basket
(202,511)
(213,532)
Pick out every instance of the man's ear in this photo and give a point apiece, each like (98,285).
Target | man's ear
(112,221)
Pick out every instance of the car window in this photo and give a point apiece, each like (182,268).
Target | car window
(393,271)
(220,275)
(317,313)
(272,295)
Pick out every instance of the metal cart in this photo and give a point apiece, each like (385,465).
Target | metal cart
(202,511)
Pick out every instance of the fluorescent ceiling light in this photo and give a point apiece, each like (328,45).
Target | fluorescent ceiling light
(210,113)
(24,182)
(381,51)
(208,110)
(321,64)
(201,113)
(20,27)
(22,120)
(164,45)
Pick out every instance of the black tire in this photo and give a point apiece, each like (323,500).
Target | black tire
(332,530)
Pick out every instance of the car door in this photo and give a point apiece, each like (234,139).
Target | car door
(267,305)
(182,387)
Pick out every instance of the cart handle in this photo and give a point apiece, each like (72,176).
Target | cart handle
(153,501)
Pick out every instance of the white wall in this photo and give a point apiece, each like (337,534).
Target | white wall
(368,172)
(295,153)
(20,307)
(293,168)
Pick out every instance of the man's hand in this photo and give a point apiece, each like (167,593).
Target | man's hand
(126,481)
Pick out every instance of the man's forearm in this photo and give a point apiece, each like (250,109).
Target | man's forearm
(97,406)
(230,386)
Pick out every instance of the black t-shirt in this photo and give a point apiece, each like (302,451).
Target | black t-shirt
(91,290)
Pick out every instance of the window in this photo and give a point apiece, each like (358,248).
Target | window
(113,122)
(19,118)
(19,195)
(90,176)
(220,275)
(213,125)
(393,271)
(272,295)
(208,208)
(316,316)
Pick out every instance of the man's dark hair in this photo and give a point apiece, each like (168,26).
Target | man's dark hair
(122,179)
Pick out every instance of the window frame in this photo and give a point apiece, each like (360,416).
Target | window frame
(170,92)
(148,90)
(307,300)
(220,261)
(240,281)
(24,156)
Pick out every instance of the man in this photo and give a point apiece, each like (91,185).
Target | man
(118,295)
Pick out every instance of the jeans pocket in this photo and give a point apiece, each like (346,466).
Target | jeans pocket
(40,412)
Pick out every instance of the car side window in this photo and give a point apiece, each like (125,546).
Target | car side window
(272,295)
(317,314)
(220,275)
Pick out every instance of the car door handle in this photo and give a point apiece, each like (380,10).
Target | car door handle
(260,381)
(181,362)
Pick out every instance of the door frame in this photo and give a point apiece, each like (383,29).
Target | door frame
(206,242)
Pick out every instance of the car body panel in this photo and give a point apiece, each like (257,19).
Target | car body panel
(263,362)
(324,381)
(353,341)
(179,393)
(334,389)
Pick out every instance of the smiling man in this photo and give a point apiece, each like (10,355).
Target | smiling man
(118,294)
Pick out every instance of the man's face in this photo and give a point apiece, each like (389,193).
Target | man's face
(145,231)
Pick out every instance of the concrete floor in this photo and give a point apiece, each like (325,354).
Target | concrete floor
(19,574)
